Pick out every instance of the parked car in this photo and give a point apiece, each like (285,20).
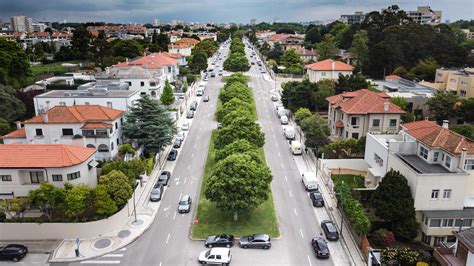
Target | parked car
(206,98)
(184,205)
(263,71)
(14,252)
(213,74)
(317,199)
(185,126)
(206,78)
(220,256)
(274,97)
(284,120)
(253,63)
(255,241)
(190,114)
(194,106)
(181,135)
(222,240)
(177,143)
(156,192)
(172,155)
(219,125)
(164,178)
(320,247)
(329,230)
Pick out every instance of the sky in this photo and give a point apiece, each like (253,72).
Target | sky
(238,11)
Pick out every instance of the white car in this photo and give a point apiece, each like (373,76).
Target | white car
(181,135)
(274,97)
(284,120)
(185,126)
(219,256)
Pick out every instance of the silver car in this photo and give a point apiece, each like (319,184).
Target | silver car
(184,205)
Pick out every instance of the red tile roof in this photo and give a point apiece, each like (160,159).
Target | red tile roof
(330,65)
(187,41)
(392,77)
(173,55)
(77,114)
(280,37)
(152,61)
(363,102)
(42,155)
(436,136)
(19,133)
(339,124)
(96,125)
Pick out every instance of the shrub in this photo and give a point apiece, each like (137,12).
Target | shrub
(383,237)
(126,148)
(352,209)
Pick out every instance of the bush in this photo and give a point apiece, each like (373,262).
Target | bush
(383,237)
(399,256)
(127,148)
(352,209)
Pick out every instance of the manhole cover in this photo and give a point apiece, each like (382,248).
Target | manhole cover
(123,233)
(102,243)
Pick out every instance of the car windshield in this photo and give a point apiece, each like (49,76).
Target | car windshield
(155,191)
(322,245)
(183,202)
(208,253)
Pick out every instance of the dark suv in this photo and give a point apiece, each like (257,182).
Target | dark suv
(317,199)
(320,247)
(330,230)
(164,178)
(172,155)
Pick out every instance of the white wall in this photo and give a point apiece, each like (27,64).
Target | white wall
(181,51)
(135,84)
(354,164)
(315,76)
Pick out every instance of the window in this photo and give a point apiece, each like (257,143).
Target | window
(469,165)
(109,104)
(111,146)
(152,84)
(447,161)
(355,135)
(129,83)
(87,103)
(434,193)
(67,132)
(323,74)
(447,194)
(376,122)
(424,152)
(88,133)
(462,93)
(393,122)
(378,159)
(425,239)
(435,156)
(438,240)
(425,220)
(6,177)
(103,148)
(72,176)
(57,177)
(39,132)
(142,83)
(118,142)
(448,222)
(116,125)
(463,222)
(62,103)
(36,177)
(218,257)
(142,93)
(353,121)
(435,222)
(169,69)
(101,132)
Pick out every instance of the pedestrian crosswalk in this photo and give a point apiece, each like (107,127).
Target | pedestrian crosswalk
(111,258)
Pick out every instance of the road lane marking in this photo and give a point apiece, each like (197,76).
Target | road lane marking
(301,232)
(168,238)
(276,144)
(291,195)
(189,166)
(279,155)
(185,179)
(286,179)
(100,262)
(195,145)
(123,249)
(169,206)
(160,263)
(294,209)
(112,256)
(180,195)
(309,260)
(192,155)
(282,166)
(174,215)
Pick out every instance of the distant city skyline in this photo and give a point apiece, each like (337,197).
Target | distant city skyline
(204,11)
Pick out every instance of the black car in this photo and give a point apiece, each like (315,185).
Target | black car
(14,252)
(317,199)
(172,155)
(330,230)
(213,74)
(190,114)
(320,247)
(164,178)
(194,105)
(255,241)
(221,240)
(156,192)
(177,143)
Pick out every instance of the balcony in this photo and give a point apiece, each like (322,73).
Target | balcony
(446,256)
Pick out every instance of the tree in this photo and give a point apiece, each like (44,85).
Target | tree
(118,187)
(327,48)
(238,184)
(467,110)
(103,203)
(292,62)
(241,128)
(48,198)
(150,125)
(207,46)
(14,65)
(80,41)
(236,91)
(38,50)
(167,97)
(297,94)
(240,146)
(394,203)
(346,83)
(232,116)
(403,103)
(11,108)
(4,126)
(132,169)
(313,36)
(325,88)
(442,105)
(236,62)
(233,105)
(198,62)
(301,114)
(161,42)
(276,53)
(15,206)
(77,201)
(127,48)
(127,148)
(342,149)
(425,69)
(360,49)
(316,131)
(466,130)
(236,77)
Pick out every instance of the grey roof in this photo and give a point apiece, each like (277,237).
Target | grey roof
(467,238)
(422,167)
(87,94)
(465,213)
(404,85)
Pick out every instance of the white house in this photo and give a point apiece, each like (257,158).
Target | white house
(92,126)
(354,114)
(439,167)
(24,166)
(327,69)
(181,49)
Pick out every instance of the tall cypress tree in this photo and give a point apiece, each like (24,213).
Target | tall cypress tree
(167,96)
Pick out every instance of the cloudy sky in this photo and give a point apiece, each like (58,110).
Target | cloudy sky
(240,11)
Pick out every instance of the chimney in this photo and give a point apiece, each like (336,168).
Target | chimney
(462,162)
(45,117)
(386,106)
(18,124)
(446,124)
(333,65)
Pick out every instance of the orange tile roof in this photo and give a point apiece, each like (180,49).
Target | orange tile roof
(96,125)
(152,61)
(19,133)
(77,114)
(330,65)
(42,155)
(363,102)
(172,55)
(187,41)
(278,37)
(436,136)
(392,77)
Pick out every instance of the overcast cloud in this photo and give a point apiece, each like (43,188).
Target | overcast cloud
(240,11)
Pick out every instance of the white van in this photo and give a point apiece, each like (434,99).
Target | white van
(220,256)
(281,112)
(296,148)
(309,181)
(199,92)
(289,133)
(284,120)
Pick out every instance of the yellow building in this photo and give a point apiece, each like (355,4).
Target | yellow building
(460,82)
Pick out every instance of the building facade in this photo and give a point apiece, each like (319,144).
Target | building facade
(458,81)
(356,18)
(21,24)
(425,15)
(327,69)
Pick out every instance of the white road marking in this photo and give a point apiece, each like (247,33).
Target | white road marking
(168,238)
(301,232)
(123,249)
(100,262)
(169,206)
(174,215)
(294,209)
(309,260)
(291,195)
(192,155)
(189,167)
(185,179)
(180,195)
(112,256)
(160,261)
(282,166)
(286,179)
(276,144)
(195,145)
(279,155)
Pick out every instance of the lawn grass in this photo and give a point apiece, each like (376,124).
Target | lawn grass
(212,221)
(55,68)
(353,181)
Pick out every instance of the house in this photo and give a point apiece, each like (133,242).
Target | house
(354,114)
(327,69)
(355,18)
(438,165)
(457,81)
(92,126)
(24,166)
(307,55)
(461,253)
(182,49)
(288,41)
(189,42)
(160,65)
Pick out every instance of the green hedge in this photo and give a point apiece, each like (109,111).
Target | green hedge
(352,209)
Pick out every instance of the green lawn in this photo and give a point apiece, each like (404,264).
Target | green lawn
(56,68)
(213,221)
(353,181)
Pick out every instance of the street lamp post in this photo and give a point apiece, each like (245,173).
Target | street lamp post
(134,207)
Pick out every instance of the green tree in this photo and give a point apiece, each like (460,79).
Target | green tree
(127,148)
(298,94)
(425,69)
(232,116)
(198,62)
(467,130)
(360,49)
(127,48)
(239,146)
(313,36)
(77,201)
(238,184)
(233,105)
(443,106)
(80,41)
(466,109)
(48,198)
(276,52)
(236,62)
(325,88)
(161,43)
(403,103)
(103,203)
(394,203)
(15,206)
(11,108)
(167,97)
(236,77)
(4,126)
(241,128)
(316,131)
(292,62)
(149,124)
(132,169)
(342,149)
(327,48)
(236,91)
(301,114)
(38,50)
(117,186)
(14,65)
(207,46)
(346,83)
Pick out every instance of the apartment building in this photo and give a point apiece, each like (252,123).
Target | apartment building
(355,18)
(354,114)
(438,165)
(91,126)
(458,81)
(425,15)
(21,24)
(327,69)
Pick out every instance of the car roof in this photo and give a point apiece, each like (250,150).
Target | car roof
(330,225)
(185,197)
(157,185)
(261,236)
(220,251)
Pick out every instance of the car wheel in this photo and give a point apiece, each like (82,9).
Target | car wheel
(266,247)
(15,259)
(209,246)
(227,246)
(245,247)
